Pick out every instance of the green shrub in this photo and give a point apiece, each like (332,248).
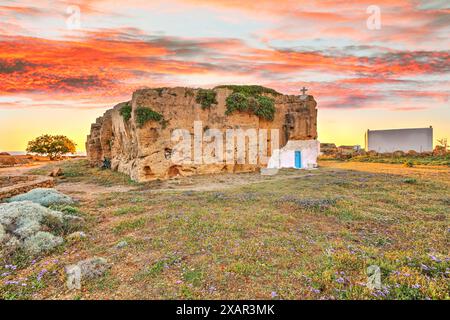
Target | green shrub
(408,164)
(236,102)
(143,115)
(206,98)
(125,111)
(410,180)
(265,108)
(248,99)
(250,90)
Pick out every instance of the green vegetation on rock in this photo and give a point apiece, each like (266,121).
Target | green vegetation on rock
(206,97)
(143,115)
(125,111)
(250,99)
(251,90)
(265,108)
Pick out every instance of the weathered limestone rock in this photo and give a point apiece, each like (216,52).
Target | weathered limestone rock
(91,268)
(14,185)
(56,172)
(144,152)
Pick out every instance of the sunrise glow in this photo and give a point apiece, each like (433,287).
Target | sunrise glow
(56,76)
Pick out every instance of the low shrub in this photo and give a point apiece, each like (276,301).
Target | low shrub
(206,98)
(408,164)
(44,196)
(143,115)
(236,102)
(250,90)
(410,180)
(261,106)
(265,108)
(250,99)
(125,111)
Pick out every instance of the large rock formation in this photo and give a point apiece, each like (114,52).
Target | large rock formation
(143,150)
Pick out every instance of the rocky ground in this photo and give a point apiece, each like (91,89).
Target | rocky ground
(295,235)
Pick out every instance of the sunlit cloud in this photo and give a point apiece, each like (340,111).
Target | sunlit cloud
(286,44)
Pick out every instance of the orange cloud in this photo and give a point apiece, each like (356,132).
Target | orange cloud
(114,62)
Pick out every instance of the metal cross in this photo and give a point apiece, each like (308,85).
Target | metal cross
(304,90)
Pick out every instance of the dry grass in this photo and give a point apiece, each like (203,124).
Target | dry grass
(302,235)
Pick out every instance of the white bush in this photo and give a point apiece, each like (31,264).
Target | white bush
(22,225)
(41,242)
(43,196)
(2,234)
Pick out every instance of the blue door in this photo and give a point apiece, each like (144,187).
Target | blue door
(298,159)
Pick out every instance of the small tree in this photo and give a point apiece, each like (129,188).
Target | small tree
(442,147)
(52,146)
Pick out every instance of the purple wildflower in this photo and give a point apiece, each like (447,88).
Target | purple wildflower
(212,289)
(41,274)
(273,294)
(424,267)
(340,280)
(434,258)
(315,290)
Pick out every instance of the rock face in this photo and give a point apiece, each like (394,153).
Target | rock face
(14,185)
(144,151)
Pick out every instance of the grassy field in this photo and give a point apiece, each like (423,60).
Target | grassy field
(297,235)
(430,160)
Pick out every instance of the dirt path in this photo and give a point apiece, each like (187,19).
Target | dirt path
(88,191)
(22,169)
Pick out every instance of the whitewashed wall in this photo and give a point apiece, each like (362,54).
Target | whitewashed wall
(285,157)
(419,140)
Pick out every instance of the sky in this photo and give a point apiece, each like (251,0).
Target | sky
(378,64)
